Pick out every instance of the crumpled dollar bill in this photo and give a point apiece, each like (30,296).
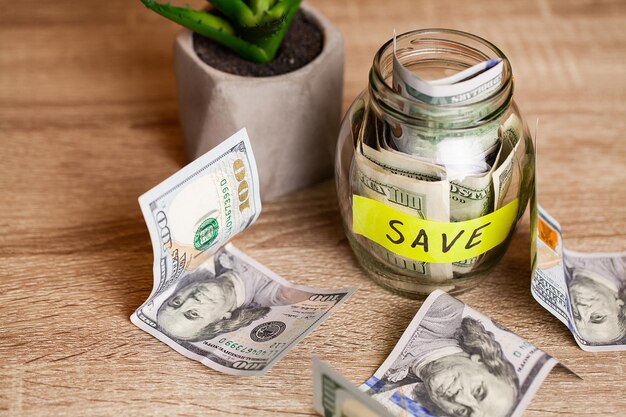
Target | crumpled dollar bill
(451,361)
(211,302)
(586,291)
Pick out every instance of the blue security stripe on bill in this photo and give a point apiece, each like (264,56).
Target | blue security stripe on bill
(409,405)
(402,401)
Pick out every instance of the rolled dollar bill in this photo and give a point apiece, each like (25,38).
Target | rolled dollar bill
(470,196)
(468,153)
(454,361)
(585,291)
(507,175)
(422,199)
(466,86)
(466,150)
(211,302)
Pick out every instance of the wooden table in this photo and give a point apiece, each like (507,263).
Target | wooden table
(88,122)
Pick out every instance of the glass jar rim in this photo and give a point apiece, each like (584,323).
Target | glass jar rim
(454,115)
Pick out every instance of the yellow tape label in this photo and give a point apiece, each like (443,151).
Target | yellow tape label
(427,240)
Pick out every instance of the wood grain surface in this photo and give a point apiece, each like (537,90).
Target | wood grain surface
(88,122)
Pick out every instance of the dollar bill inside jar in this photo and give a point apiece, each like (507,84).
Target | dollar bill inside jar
(436,136)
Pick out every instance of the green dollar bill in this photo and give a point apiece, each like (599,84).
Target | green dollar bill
(211,302)
(335,396)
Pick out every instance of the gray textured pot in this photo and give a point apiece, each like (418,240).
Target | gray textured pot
(292,119)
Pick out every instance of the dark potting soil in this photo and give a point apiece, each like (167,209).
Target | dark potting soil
(302,44)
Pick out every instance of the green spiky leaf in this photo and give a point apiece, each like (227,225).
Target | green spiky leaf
(253,31)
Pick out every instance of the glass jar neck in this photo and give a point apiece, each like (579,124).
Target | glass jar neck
(434,52)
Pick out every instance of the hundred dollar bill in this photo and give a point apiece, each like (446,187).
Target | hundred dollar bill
(211,302)
(335,396)
(194,212)
(236,316)
(508,175)
(466,86)
(423,199)
(585,291)
(467,149)
(469,152)
(470,196)
(454,361)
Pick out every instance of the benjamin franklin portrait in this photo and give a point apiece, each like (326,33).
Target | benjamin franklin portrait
(597,290)
(204,304)
(454,367)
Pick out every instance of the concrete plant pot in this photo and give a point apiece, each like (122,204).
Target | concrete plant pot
(292,119)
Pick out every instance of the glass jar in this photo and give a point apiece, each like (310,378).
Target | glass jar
(430,194)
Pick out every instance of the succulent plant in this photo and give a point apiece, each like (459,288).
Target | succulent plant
(253,29)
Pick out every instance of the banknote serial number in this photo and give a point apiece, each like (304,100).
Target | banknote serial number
(238,347)
(227,205)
